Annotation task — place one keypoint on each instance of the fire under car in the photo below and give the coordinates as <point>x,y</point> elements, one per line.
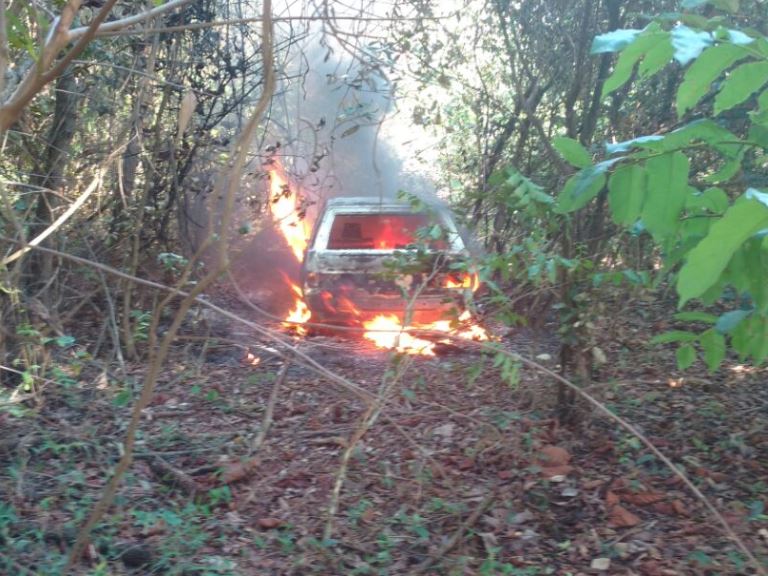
<point>368,257</point>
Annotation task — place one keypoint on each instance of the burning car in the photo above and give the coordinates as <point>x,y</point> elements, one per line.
<point>369,257</point>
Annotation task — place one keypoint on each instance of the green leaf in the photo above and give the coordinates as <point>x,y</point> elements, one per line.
<point>674,336</point>
<point>696,317</point>
<point>583,186</point>
<point>613,41</point>
<point>689,43</point>
<point>709,258</point>
<point>707,68</point>
<point>686,355</point>
<point>574,153</point>
<point>656,58</point>
<point>713,345</point>
<point>667,193</point>
<point>626,193</point>
<point>740,85</point>
<point>714,200</point>
<point>65,341</point>
<point>630,56</point>
<point>750,337</point>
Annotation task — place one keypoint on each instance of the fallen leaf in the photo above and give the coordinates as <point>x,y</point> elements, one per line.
<point>601,564</point>
<point>611,499</point>
<point>236,471</point>
<point>551,456</point>
<point>620,517</point>
<point>643,498</point>
<point>679,508</point>
<point>269,523</point>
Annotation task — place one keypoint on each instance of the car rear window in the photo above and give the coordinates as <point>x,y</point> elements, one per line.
<point>378,231</point>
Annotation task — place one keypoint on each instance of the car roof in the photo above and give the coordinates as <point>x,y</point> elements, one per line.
<point>372,204</point>
<point>365,201</point>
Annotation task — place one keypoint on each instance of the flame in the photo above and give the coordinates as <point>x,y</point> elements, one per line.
<point>284,206</point>
<point>471,281</point>
<point>300,313</point>
<point>386,331</point>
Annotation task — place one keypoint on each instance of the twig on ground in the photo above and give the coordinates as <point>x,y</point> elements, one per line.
<point>266,421</point>
<point>164,469</point>
<point>457,537</point>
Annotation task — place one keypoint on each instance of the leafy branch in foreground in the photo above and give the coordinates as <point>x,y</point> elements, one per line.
<point>689,187</point>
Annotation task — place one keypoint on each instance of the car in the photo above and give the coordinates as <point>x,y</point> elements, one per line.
<point>368,256</point>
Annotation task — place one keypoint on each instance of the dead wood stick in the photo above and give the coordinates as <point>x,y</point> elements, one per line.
<point>454,540</point>
<point>266,421</point>
<point>164,469</point>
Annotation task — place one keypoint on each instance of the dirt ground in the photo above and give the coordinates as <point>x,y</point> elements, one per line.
<point>462,472</point>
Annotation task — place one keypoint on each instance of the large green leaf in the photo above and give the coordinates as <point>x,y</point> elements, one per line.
<point>572,151</point>
<point>667,193</point>
<point>622,71</point>
<point>709,258</point>
<point>750,337</point>
<point>583,186</point>
<point>698,78</point>
<point>626,193</point>
<point>713,200</point>
<point>579,190</point>
<point>741,84</point>
<point>656,58</point>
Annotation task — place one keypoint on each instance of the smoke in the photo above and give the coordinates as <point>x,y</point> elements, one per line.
<point>326,132</point>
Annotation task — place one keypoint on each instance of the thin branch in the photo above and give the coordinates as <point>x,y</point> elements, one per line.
<point>41,74</point>
<point>64,217</point>
<point>454,540</point>
<point>116,25</point>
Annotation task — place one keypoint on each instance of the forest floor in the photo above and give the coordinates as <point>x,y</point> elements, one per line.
<point>462,473</point>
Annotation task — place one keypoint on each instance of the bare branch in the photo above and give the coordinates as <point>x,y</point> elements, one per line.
<point>116,25</point>
<point>66,215</point>
<point>40,75</point>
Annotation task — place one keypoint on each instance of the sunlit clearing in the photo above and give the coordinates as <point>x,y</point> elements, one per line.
<point>285,209</point>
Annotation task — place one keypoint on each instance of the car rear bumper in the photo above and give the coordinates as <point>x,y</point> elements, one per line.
<point>353,307</point>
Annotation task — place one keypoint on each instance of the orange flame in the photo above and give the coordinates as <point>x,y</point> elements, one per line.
<point>471,281</point>
<point>283,204</point>
<point>386,331</point>
<point>300,313</point>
